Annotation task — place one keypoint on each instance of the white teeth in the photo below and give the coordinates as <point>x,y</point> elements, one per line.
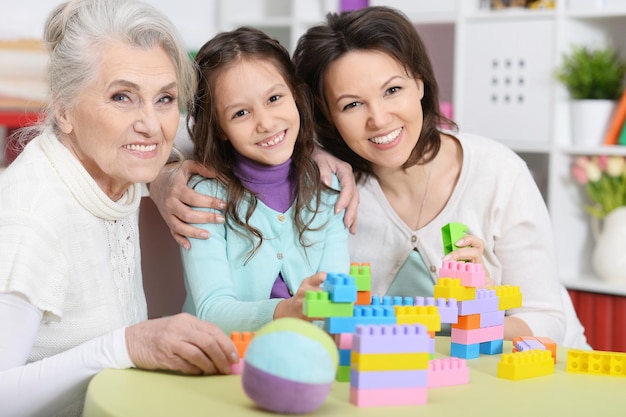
<point>389,137</point>
<point>141,148</point>
<point>274,140</point>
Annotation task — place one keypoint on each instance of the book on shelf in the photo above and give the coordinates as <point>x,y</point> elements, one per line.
<point>615,128</point>
<point>621,140</point>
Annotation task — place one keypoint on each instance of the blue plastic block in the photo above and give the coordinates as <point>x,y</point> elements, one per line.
<point>340,287</point>
<point>493,347</point>
<point>458,350</point>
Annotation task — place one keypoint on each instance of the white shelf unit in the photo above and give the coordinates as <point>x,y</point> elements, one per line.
<point>500,78</point>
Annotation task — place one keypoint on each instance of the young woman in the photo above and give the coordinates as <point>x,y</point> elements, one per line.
<point>377,108</point>
<point>251,123</point>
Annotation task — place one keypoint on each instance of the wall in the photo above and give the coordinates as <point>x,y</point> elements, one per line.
<point>196,19</point>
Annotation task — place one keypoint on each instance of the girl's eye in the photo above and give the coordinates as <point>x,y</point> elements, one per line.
<point>274,98</point>
<point>240,113</point>
<point>350,105</point>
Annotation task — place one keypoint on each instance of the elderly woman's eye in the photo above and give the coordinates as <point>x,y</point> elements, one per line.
<point>119,97</point>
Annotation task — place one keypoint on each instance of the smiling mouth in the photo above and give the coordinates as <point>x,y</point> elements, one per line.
<point>388,138</point>
<point>141,148</point>
<point>274,140</point>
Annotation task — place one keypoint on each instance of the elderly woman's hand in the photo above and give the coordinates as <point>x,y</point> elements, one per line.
<point>174,199</point>
<point>180,343</point>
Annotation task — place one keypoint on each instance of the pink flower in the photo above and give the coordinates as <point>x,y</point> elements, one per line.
<point>602,162</point>
<point>579,174</point>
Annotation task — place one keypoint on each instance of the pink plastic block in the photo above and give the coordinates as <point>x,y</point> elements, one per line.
<point>391,339</point>
<point>472,275</point>
<point>491,318</point>
<point>237,368</point>
<point>447,371</point>
<point>377,397</point>
<point>448,308</point>
<point>448,269</point>
<point>470,337</point>
<point>343,340</point>
<point>388,379</point>
<point>485,301</point>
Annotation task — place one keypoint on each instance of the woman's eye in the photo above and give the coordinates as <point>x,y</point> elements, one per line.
<point>167,99</point>
<point>350,105</point>
<point>120,97</point>
<point>392,90</point>
<point>274,98</point>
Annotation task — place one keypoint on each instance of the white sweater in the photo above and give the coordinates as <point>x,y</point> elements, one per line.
<point>74,255</point>
<point>497,198</point>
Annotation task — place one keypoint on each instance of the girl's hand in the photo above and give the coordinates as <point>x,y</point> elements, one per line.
<point>292,307</point>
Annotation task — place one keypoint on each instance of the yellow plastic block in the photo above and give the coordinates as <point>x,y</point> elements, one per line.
<point>389,361</point>
<point>509,296</point>
<point>596,362</point>
<point>425,315</point>
<point>451,288</point>
<point>526,364</point>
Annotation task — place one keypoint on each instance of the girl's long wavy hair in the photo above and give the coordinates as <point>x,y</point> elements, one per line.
<point>217,55</point>
<point>375,28</point>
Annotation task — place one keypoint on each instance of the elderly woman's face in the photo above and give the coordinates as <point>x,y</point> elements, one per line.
<point>123,125</point>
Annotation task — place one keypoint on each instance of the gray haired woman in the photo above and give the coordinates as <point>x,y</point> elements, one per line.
<point>71,295</point>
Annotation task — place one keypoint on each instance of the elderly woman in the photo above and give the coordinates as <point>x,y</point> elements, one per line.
<point>71,297</point>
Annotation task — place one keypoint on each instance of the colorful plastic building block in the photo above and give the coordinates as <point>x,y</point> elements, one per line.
<point>448,308</point>
<point>390,339</point>
<point>523,343</point>
<point>363,298</point>
<point>241,341</point>
<point>485,301</point>
<point>378,397</point>
<point>450,234</point>
<point>389,379</point>
<point>510,296</point>
<point>470,274</point>
<point>451,288</point>
<point>425,315</point>
<point>527,364</point>
<point>596,362</point>
<point>340,288</point>
<point>318,304</point>
<point>445,372</point>
<point>484,334</point>
<point>464,351</point>
<point>362,275</point>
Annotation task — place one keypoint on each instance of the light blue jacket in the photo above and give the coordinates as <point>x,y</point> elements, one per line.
<point>234,294</point>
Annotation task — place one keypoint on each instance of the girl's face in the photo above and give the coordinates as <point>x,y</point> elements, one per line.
<point>257,111</point>
<point>123,124</point>
<point>376,106</point>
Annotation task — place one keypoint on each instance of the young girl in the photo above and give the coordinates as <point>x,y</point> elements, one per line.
<point>251,121</point>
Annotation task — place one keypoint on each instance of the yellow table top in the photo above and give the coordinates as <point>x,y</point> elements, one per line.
<point>136,393</point>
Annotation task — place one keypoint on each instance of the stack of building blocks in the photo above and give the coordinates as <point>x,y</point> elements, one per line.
<point>389,365</point>
<point>523,343</point>
<point>241,341</point>
<point>480,325</point>
<point>526,364</point>
<point>596,362</point>
<point>362,275</point>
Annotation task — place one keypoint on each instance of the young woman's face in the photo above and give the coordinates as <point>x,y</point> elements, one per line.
<point>257,111</point>
<point>123,124</point>
<point>376,106</point>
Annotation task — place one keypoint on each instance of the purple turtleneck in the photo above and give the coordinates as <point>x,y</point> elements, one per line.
<point>275,188</point>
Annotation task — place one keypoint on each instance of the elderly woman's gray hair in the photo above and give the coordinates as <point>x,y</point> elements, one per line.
<point>76,30</point>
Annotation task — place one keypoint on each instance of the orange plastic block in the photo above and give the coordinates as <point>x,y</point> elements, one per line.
<point>526,364</point>
<point>426,315</point>
<point>596,362</point>
<point>452,288</point>
<point>241,341</point>
<point>467,322</point>
<point>509,296</point>
<point>362,274</point>
<point>363,298</point>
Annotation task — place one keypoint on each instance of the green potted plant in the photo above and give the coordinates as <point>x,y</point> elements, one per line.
<point>594,79</point>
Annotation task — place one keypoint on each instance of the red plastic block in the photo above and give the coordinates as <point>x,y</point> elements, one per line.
<point>447,371</point>
<point>377,397</point>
